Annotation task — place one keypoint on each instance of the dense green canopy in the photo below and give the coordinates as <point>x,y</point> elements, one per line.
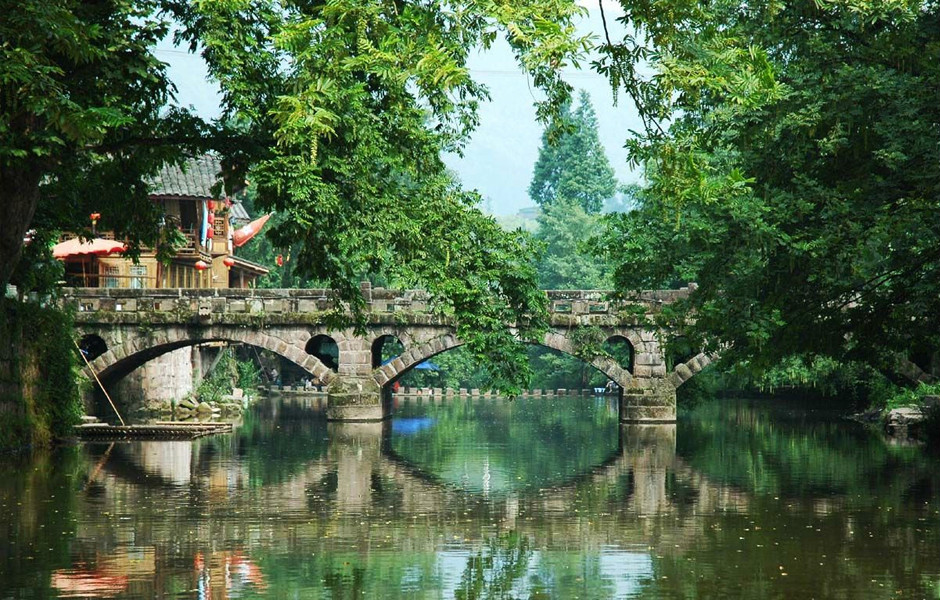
<point>792,161</point>
<point>572,165</point>
<point>790,151</point>
<point>338,112</point>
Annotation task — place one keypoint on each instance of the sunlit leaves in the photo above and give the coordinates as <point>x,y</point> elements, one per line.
<point>360,98</point>
<point>783,183</point>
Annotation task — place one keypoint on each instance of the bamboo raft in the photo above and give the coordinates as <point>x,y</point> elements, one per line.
<point>161,430</point>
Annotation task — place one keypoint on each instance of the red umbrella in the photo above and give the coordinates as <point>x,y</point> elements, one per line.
<point>76,247</point>
<point>241,236</point>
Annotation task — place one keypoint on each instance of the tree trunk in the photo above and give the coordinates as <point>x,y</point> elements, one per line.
<point>19,195</point>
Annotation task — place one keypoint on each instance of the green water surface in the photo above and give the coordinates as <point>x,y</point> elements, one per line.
<point>487,498</point>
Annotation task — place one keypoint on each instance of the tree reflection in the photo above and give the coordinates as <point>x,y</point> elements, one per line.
<point>494,572</point>
<point>721,505</point>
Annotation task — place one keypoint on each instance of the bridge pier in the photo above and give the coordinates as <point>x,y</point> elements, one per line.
<point>650,451</point>
<point>655,403</point>
<point>355,398</point>
<point>356,449</point>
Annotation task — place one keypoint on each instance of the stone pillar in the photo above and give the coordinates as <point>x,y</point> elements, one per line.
<point>654,401</point>
<point>154,386</point>
<point>353,395</point>
<point>357,450</point>
<point>354,398</point>
<point>196,369</point>
<point>649,451</point>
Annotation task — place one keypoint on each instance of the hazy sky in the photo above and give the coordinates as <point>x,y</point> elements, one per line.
<point>499,159</point>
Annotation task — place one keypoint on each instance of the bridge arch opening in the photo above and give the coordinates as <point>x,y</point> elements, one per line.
<point>621,350</point>
<point>679,349</point>
<point>325,349</point>
<point>385,348</point>
<point>166,380</point>
<point>92,346</point>
<point>555,368</point>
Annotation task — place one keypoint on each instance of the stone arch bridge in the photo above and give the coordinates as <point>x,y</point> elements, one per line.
<point>122,329</point>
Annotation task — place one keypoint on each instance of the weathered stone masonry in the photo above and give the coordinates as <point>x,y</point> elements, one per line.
<point>137,325</point>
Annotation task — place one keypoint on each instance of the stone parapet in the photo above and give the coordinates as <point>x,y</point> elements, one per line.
<point>392,304</point>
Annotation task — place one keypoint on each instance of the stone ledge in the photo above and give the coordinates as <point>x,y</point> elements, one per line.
<point>355,413</point>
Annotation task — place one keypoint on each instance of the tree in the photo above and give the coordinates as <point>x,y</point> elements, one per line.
<point>339,111</point>
<point>566,264</point>
<point>796,180</point>
<point>81,107</point>
<point>361,98</point>
<point>573,166</point>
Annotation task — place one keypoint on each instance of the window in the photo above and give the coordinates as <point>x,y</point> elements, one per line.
<point>111,275</point>
<point>138,276</point>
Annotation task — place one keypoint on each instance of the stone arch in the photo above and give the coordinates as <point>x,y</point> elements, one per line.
<point>605,364</point>
<point>411,357</point>
<point>321,347</point>
<point>553,339</point>
<point>684,371</point>
<point>378,344</point>
<point>617,338</point>
<point>139,349</point>
<point>408,337</point>
<point>92,346</point>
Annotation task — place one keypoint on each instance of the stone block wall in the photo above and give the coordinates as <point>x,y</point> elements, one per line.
<point>39,399</point>
<point>157,384</point>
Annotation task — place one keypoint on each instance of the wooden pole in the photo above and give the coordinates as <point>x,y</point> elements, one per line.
<point>95,375</point>
<point>99,466</point>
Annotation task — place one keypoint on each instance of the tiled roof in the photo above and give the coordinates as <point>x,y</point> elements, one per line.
<point>250,265</point>
<point>239,212</point>
<point>195,179</point>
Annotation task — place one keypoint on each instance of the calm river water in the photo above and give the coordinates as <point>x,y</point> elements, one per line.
<point>529,499</point>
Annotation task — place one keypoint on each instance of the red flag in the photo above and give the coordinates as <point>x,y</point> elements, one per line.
<point>241,237</point>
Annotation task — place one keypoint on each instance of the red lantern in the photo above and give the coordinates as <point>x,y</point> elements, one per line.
<point>279,260</point>
<point>228,261</point>
<point>211,206</point>
<point>200,265</point>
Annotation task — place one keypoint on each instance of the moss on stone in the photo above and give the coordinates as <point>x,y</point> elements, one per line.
<point>41,394</point>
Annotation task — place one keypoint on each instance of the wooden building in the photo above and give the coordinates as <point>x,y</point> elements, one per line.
<point>207,221</point>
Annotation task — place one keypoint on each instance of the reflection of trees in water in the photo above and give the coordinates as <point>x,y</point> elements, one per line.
<point>493,571</point>
<point>527,443</point>
<point>771,448</point>
<point>39,507</point>
<point>352,520</point>
<point>825,507</point>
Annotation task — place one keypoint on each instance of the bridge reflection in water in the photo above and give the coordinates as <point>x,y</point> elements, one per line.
<point>480,499</point>
<point>346,492</point>
<point>359,458</point>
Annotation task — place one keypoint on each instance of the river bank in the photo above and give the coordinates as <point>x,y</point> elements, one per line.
<point>40,399</point>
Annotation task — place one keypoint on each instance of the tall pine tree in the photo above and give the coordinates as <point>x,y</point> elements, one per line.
<point>574,167</point>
